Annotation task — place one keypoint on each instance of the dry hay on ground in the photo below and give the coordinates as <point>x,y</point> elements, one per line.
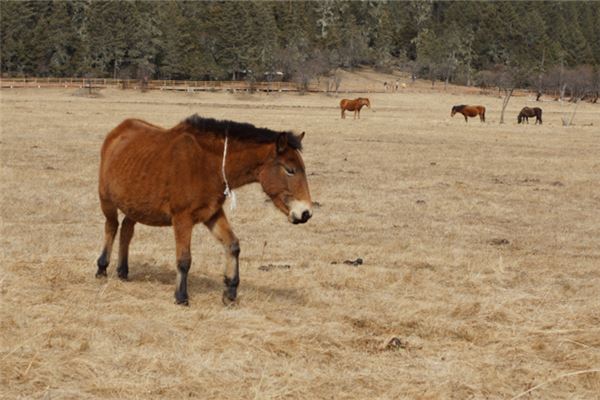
<point>479,243</point>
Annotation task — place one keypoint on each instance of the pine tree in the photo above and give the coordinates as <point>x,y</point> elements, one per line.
<point>16,33</point>
<point>144,39</point>
<point>107,31</point>
<point>575,44</point>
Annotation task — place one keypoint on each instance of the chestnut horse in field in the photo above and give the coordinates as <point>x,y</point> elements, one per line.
<point>527,113</point>
<point>469,111</point>
<point>179,177</point>
<point>354,105</point>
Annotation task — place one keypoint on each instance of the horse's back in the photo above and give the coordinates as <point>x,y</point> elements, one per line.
<point>134,170</point>
<point>131,130</point>
<point>472,111</point>
<point>345,103</point>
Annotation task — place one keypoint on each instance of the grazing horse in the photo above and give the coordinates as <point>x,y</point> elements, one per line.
<point>354,105</point>
<point>527,113</point>
<point>180,177</point>
<point>469,111</point>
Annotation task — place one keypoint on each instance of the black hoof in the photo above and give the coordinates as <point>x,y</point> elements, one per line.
<point>182,302</point>
<point>228,300</point>
<point>101,273</point>
<point>122,275</point>
<point>181,299</point>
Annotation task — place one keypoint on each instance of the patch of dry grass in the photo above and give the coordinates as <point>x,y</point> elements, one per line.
<point>479,241</point>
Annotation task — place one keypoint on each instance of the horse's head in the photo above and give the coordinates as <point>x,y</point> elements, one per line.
<point>283,178</point>
<point>364,101</point>
<point>453,111</point>
<point>519,118</point>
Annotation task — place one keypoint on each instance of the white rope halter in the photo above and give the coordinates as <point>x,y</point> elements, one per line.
<point>228,192</point>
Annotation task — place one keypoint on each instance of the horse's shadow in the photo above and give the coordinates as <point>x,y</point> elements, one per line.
<point>200,283</point>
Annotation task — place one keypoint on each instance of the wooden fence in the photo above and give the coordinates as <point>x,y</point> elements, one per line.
<point>189,86</point>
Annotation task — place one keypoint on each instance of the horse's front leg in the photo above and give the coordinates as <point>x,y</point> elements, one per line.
<point>220,228</point>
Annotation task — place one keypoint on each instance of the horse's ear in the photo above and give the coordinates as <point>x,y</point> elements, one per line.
<point>282,142</point>
<point>301,136</point>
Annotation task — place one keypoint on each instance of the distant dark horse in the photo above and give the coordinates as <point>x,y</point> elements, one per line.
<point>469,111</point>
<point>527,113</point>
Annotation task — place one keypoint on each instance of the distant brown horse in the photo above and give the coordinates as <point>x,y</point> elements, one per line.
<point>527,113</point>
<point>354,105</point>
<point>178,177</point>
<point>469,111</point>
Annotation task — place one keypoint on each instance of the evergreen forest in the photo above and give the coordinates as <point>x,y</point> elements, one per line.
<point>460,42</point>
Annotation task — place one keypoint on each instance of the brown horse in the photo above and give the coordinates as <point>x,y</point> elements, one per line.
<point>469,111</point>
<point>354,105</point>
<point>527,113</point>
<point>178,177</point>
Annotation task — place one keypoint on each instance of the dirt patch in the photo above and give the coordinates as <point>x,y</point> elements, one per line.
<point>272,267</point>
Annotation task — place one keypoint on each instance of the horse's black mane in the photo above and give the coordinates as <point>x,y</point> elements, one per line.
<point>459,107</point>
<point>241,131</point>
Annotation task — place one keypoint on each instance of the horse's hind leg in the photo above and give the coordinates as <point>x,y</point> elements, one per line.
<point>343,115</point>
<point>110,230</point>
<point>125,236</point>
<point>219,227</point>
<point>183,225</point>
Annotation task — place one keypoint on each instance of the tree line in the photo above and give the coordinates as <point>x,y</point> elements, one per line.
<point>540,43</point>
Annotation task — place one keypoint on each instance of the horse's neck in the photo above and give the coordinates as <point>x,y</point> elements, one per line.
<point>244,161</point>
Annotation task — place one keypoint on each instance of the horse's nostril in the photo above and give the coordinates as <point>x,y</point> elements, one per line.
<point>305,216</point>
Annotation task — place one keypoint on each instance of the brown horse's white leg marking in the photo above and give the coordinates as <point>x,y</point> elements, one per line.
<point>127,227</point>
<point>110,231</point>
<point>220,228</point>
<point>182,225</point>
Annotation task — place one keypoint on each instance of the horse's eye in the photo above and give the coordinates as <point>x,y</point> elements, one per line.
<point>289,171</point>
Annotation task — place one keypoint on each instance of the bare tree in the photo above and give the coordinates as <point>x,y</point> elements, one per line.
<point>334,79</point>
<point>504,78</point>
<point>580,82</point>
<point>507,78</point>
<point>540,77</point>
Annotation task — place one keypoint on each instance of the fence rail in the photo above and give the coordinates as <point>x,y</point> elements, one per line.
<point>190,86</point>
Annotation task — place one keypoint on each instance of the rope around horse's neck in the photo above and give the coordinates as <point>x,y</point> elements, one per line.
<point>228,192</point>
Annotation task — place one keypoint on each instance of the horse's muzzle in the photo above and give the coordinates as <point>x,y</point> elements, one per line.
<point>305,217</point>
<point>300,212</point>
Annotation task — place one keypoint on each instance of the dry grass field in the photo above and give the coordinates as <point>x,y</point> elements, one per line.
<point>481,249</point>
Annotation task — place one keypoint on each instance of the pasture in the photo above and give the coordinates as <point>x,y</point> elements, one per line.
<point>480,248</point>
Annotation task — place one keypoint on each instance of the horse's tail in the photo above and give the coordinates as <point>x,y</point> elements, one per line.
<point>483,113</point>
